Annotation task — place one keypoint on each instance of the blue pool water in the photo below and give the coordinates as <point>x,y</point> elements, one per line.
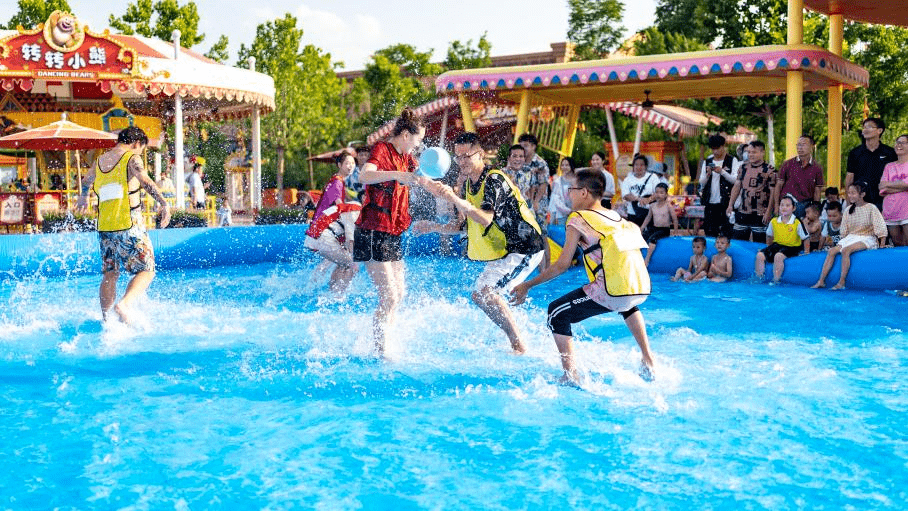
<point>239,389</point>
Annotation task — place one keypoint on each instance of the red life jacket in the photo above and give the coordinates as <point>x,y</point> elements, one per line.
<point>386,205</point>
<point>330,216</point>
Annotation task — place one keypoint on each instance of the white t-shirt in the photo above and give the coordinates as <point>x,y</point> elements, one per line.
<point>729,175</point>
<point>196,188</point>
<point>639,186</point>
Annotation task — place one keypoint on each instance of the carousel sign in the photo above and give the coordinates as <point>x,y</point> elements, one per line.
<point>63,49</point>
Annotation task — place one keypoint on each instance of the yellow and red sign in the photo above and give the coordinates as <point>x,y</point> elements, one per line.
<point>64,50</point>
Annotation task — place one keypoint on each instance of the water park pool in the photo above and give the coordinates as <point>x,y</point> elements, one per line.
<point>239,388</point>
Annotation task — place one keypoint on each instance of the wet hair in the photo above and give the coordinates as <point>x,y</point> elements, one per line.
<point>834,206</point>
<point>663,186</point>
<point>131,135</point>
<point>528,137</point>
<point>699,239</point>
<point>861,187</point>
<point>516,147</point>
<point>715,141</point>
<point>808,137</point>
<point>591,180</point>
<point>639,157</point>
<point>877,121</point>
<point>758,143</point>
<point>600,154</point>
<point>814,206</point>
<point>467,137</point>
<point>408,121</point>
<point>831,191</point>
<point>343,156</point>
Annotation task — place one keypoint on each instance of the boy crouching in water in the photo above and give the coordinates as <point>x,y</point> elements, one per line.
<point>618,277</point>
<point>662,215</point>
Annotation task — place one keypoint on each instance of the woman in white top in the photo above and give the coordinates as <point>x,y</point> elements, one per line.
<point>597,162</point>
<point>560,201</point>
<point>638,188</point>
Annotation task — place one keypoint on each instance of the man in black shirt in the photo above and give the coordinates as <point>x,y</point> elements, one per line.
<point>867,161</point>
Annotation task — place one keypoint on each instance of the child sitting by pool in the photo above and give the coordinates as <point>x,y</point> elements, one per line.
<point>698,266</point>
<point>720,267</point>
<point>785,236</point>
<point>832,195</point>
<point>832,226</point>
<point>662,215</point>
<point>813,225</point>
<point>618,278</point>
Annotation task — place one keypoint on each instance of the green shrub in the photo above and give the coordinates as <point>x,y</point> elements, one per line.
<point>271,216</point>
<point>180,219</point>
<point>64,221</point>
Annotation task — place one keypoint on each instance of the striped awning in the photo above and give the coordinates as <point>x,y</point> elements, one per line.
<point>423,110</point>
<point>673,119</point>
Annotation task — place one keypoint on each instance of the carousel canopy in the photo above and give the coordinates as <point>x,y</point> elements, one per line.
<point>733,72</point>
<point>883,12</point>
<point>61,65</point>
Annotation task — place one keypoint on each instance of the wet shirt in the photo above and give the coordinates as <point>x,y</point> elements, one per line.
<point>499,198</point>
<point>867,166</point>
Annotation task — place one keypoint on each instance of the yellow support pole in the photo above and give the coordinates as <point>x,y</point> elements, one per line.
<point>567,146</point>
<point>466,113</point>
<point>795,81</point>
<point>523,115</point>
<point>834,122</point>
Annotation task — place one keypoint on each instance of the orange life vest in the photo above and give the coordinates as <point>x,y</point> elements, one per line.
<point>328,217</point>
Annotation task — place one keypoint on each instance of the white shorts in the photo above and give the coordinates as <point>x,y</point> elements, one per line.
<point>896,223</point>
<point>328,247</point>
<point>507,272</point>
<point>869,241</point>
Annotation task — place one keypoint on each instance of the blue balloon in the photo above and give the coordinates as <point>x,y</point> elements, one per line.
<point>434,162</point>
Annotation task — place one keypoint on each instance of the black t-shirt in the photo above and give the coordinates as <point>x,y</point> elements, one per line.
<point>867,166</point>
<point>499,198</point>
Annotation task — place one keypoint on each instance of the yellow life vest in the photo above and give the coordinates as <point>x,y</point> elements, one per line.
<point>786,234</point>
<point>489,243</point>
<point>623,267</point>
<point>112,188</point>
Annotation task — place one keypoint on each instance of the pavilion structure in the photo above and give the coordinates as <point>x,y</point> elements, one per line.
<point>791,69</point>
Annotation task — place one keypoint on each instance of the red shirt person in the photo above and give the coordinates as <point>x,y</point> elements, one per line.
<point>801,177</point>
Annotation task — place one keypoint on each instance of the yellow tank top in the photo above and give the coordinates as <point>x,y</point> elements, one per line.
<point>786,234</point>
<point>489,243</point>
<point>112,188</point>
<point>624,270</point>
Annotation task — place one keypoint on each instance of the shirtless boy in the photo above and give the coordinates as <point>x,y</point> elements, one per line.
<point>698,265</point>
<point>720,267</point>
<point>662,215</point>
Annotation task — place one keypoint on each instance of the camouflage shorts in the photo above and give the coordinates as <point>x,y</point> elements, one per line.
<point>128,250</point>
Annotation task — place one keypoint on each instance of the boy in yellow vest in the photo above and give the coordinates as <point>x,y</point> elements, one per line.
<point>116,179</point>
<point>618,277</point>
<point>501,229</point>
<point>785,237</point>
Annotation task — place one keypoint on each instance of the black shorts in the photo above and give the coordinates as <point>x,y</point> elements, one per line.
<point>575,307</point>
<point>379,246</point>
<point>654,234</point>
<point>771,251</point>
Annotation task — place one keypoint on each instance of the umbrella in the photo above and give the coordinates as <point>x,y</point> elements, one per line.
<point>62,135</point>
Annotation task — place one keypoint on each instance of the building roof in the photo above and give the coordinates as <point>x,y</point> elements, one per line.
<point>883,12</point>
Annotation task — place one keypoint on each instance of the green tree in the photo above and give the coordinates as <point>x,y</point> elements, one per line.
<point>655,42</point>
<point>466,56</point>
<point>411,61</point>
<point>309,111</point>
<point>159,20</point>
<point>32,12</point>
<point>398,76</point>
<point>219,51</point>
<point>593,26</point>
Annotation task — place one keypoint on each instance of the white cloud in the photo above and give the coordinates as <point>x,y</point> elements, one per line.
<point>349,40</point>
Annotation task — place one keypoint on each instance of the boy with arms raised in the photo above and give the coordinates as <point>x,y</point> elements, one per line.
<point>619,280</point>
<point>501,229</point>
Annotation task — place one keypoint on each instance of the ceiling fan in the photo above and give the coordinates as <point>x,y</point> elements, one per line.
<point>647,104</point>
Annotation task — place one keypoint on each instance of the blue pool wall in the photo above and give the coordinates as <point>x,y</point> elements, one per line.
<point>77,254</point>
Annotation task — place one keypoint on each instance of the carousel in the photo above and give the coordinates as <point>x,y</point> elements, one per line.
<point>106,82</point>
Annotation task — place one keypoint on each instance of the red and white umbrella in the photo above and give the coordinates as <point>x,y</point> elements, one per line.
<point>62,135</point>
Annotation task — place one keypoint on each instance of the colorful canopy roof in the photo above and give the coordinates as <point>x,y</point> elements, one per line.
<point>67,61</point>
<point>734,72</point>
<point>883,12</point>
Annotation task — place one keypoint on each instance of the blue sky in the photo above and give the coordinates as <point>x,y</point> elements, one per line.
<point>351,30</point>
